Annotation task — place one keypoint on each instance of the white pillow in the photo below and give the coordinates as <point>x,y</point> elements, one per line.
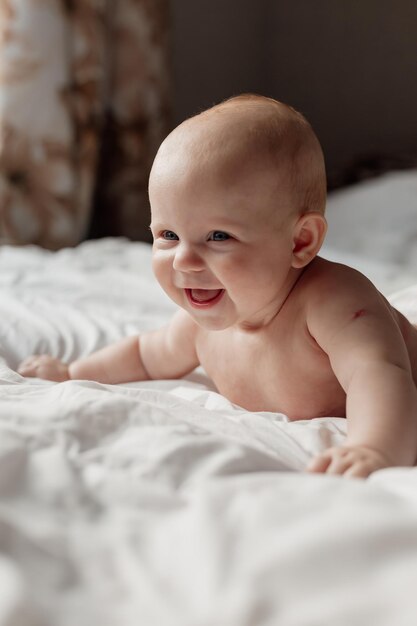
<point>376,219</point>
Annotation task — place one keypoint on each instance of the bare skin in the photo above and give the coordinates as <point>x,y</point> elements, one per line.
<point>276,327</point>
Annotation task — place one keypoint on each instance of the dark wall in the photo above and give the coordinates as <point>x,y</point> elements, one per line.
<point>349,65</point>
<point>219,49</point>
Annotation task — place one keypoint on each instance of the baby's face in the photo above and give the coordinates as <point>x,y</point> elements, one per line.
<point>222,238</point>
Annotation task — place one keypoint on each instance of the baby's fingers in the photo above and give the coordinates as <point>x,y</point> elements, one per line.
<point>359,470</point>
<point>349,461</point>
<point>44,366</point>
<point>29,365</point>
<point>319,464</point>
<point>336,461</point>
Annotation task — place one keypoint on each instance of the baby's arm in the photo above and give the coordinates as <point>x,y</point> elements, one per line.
<point>357,330</point>
<point>165,353</point>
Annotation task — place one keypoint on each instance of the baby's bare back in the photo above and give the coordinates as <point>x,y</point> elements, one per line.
<point>409,333</point>
<point>281,368</point>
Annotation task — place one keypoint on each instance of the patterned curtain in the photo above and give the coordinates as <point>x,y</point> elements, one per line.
<point>84,103</point>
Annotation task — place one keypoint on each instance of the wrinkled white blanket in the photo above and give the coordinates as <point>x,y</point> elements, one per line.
<point>161,503</point>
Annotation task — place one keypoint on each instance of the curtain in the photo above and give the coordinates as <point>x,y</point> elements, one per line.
<point>84,104</point>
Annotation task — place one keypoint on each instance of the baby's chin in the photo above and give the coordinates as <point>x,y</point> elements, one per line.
<point>209,322</point>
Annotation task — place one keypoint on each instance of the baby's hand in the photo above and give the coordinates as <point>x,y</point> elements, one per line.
<point>44,366</point>
<point>350,461</point>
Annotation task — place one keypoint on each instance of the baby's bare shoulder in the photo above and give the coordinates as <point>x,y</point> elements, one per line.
<point>338,297</point>
<point>170,351</point>
<point>330,281</point>
<point>335,294</point>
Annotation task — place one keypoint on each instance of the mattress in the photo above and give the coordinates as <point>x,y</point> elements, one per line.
<point>163,504</point>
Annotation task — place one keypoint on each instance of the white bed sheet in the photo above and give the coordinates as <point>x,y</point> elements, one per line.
<point>161,503</point>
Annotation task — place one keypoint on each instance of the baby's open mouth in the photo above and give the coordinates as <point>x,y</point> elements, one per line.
<point>204,297</point>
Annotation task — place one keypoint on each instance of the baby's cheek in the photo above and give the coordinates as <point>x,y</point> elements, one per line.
<point>236,268</point>
<point>164,274</point>
<point>159,268</point>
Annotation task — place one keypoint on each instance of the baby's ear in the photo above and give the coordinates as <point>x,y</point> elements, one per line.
<point>309,232</point>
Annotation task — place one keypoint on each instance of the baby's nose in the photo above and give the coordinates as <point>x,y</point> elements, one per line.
<point>187,259</point>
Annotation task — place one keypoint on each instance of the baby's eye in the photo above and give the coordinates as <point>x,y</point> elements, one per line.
<point>169,235</point>
<point>218,235</point>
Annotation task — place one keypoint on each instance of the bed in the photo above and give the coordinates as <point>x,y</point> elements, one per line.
<point>162,504</point>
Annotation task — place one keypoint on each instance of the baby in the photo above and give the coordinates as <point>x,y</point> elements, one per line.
<point>237,199</point>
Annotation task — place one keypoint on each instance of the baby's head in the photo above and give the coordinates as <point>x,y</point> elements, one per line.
<point>253,136</point>
<point>237,197</point>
